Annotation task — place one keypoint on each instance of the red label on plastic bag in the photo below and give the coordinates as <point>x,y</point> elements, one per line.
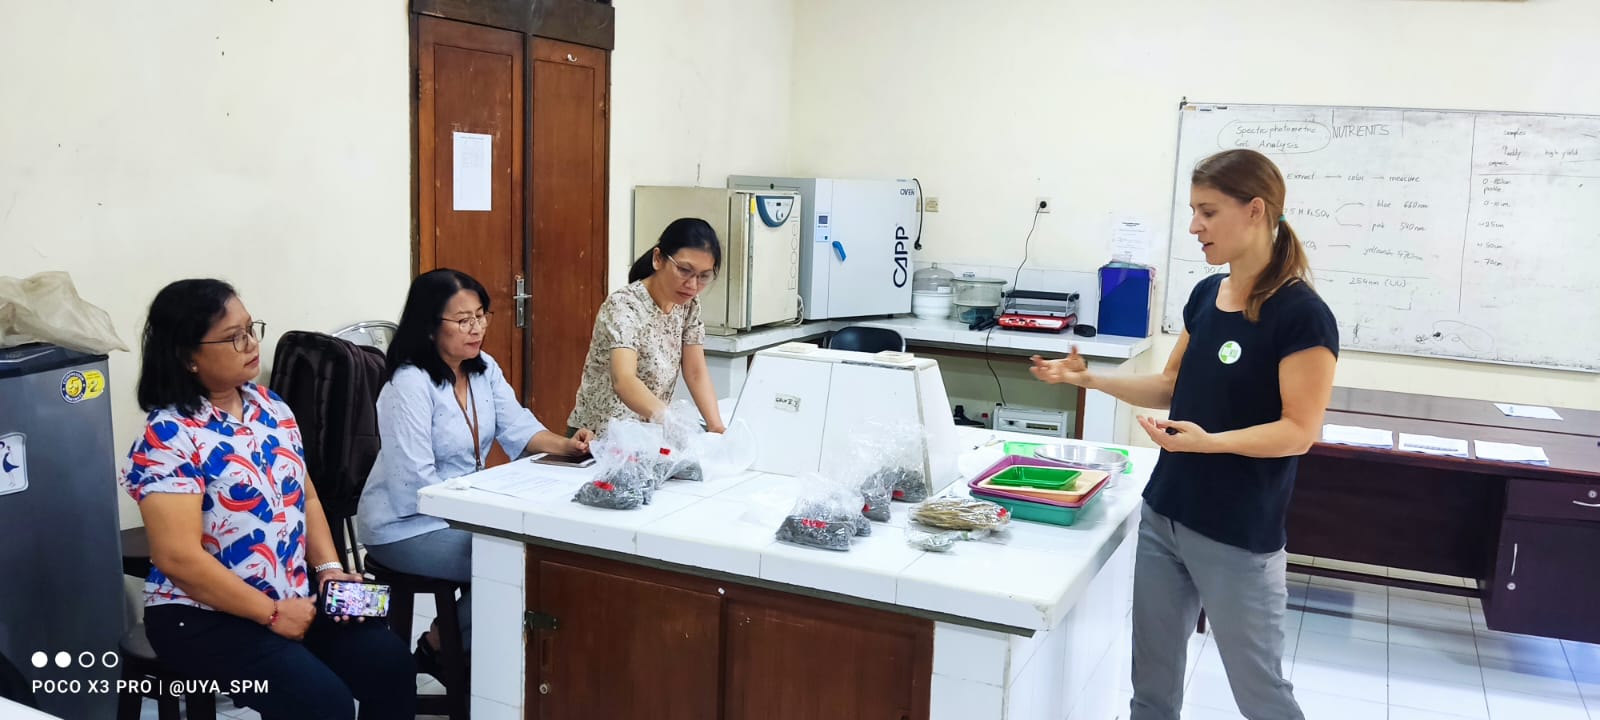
<point>603,485</point>
<point>1004,513</point>
<point>666,451</point>
<point>814,524</point>
<point>899,494</point>
<point>866,508</point>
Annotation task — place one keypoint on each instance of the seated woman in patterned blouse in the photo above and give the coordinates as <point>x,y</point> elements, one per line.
<point>236,530</point>
<point>649,330</point>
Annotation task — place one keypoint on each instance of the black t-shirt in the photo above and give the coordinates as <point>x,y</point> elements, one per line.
<point>1228,380</point>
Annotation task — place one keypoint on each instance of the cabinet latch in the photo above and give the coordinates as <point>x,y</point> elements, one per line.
<point>540,621</point>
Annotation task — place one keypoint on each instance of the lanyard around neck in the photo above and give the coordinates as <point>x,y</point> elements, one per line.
<point>472,424</point>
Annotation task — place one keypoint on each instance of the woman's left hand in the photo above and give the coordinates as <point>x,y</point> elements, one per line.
<point>324,577</point>
<point>715,426</point>
<point>1177,435</point>
<point>578,444</point>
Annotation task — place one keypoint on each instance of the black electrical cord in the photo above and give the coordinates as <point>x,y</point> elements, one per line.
<point>920,203</point>
<point>987,360</point>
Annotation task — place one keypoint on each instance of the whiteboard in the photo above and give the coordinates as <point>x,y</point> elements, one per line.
<point>1468,235</point>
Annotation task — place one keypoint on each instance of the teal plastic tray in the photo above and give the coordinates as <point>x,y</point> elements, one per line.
<point>1050,514</point>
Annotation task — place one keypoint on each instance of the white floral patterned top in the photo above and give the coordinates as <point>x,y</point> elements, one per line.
<point>630,318</point>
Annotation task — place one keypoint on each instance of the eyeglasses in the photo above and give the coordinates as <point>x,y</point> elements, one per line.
<point>471,321</point>
<point>686,273</point>
<point>242,339</point>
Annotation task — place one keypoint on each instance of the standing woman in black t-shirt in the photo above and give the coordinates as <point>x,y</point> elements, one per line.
<point>1247,385</point>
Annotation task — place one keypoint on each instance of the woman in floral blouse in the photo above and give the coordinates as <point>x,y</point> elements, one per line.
<point>236,530</point>
<point>649,331</point>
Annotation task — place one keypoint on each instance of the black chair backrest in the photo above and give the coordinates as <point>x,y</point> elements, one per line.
<point>867,339</point>
<point>332,386</point>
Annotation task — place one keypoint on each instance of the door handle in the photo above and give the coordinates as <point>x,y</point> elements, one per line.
<point>1514,548</point>
<point>838,247</point>
<point>521,299</point>
<point>1584,504</point>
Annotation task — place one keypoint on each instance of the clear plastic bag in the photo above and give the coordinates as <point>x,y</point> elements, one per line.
<point>826,515</point>
<point>728,454</point>
<point>681,430</point>
<point>895,455</point>
<point>629,466</point>
<point>859,467</point>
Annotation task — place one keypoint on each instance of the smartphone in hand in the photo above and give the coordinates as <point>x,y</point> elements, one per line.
<point>353,599</point>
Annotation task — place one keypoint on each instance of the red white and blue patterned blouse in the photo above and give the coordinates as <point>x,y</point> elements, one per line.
<point>252,472</point>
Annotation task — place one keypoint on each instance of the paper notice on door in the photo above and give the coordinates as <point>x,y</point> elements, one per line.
<point>1130,240</point>
<point>471,181</point>
<point>1511,452</point>
<point>1528,411</point>
<point>1433,445</point>
<point>1360,436</point>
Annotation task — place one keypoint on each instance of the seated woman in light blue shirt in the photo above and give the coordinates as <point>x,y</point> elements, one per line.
<point>444,402</point>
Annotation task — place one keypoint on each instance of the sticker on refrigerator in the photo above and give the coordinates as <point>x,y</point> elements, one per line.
<point>94,384</point>
<point>74,387</point>
<point>13,463</point>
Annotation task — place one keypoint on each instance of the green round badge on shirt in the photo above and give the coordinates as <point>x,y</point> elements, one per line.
<point>1229,353</point>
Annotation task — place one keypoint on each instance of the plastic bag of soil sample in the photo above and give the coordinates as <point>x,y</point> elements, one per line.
<point>628,466</point>
<point>680,428</point>
<point>895,459</point>
<point>858,467</point>
<point>826,515</point>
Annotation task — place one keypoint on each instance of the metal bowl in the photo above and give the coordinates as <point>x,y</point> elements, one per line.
<point>1087,457</point>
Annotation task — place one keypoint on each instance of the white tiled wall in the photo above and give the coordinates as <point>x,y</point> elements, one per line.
<point>498,600</point>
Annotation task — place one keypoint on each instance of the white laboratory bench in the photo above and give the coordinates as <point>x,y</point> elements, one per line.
<point>728,356</point>
<point>1027,625</point>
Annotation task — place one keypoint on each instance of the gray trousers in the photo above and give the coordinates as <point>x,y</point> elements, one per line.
<point>1176,572</point>
<point>445,554</point>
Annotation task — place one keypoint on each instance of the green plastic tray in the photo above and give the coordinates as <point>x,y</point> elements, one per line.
<point>1038,478</point>
<point>1037,512</point>
<point>1025,449</point>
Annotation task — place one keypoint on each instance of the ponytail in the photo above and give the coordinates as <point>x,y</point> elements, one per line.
<point>1245,176</point>
<point>1289,263</point>
<point>644,267</point>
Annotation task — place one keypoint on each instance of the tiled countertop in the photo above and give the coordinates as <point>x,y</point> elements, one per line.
<point>1026,581</point>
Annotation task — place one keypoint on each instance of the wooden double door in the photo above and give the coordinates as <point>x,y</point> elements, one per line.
<point>511,145</point>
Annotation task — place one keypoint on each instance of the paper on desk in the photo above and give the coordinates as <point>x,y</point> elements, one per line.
<point>523,479</point>
<point>1536,412</point>
<point>1511,452</point>
<point>1433,445</point>
<point>1352,435</point>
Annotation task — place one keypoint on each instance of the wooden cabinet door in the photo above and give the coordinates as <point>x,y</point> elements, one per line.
<point>623,647</point>
<point>1546,580</point>
<point>568,201</point>
<point>470,80</point>
<point>794,658</point>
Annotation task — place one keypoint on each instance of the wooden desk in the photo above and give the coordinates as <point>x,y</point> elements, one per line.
<point>1528,534</point>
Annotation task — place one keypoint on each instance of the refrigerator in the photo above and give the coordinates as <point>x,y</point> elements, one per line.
<point>760,234</point>
<point>61,588</point>
<point>856,242</point>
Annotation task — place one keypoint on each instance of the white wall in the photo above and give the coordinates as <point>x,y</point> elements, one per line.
<point>993,104</point>
<point>263,143</point>
<point>700,91</point>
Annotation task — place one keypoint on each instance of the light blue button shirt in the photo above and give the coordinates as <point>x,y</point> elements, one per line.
<point>426,441</point>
